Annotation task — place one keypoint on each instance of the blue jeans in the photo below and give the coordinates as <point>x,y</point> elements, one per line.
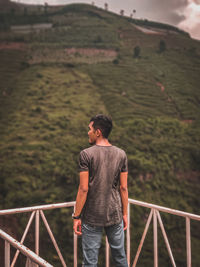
<point>91,242</point>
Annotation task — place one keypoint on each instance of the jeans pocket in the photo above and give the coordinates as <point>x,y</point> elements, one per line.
<point>91,228</point>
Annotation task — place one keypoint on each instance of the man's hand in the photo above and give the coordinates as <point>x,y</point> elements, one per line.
<point>77,226</point>
<point>125,220</point>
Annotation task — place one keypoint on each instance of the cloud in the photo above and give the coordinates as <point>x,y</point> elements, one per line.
<point>160,10</point>
<point>191,23</point>
<point>184,14</point>
<point>197,2</point>
<point>167,11</point>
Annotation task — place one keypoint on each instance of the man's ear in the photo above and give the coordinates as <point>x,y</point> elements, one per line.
<point>98,132</point>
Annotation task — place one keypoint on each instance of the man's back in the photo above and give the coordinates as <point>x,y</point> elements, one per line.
<point>102,197</point>
<point>105,163</point>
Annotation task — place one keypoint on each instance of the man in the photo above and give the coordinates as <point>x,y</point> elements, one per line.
<point>102,197</point>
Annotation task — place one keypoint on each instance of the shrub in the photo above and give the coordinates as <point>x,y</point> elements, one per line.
<point>39,75</point>
<point>69,65</point>
<point>115,61</point>
<point>192,51</point>
<point>24,65</point>
<point>98,39</point>
<point>136,52</point>
<point>162,46</point>
<point>38,110</point>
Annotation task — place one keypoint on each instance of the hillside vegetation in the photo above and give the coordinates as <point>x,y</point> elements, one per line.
<point>61,65</point>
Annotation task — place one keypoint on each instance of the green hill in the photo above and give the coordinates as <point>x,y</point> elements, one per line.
<point>61,65</point>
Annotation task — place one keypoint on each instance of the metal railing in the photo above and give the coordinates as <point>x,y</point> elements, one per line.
<point>37,212</point>
<point>155,214</point>
<point>31,256</point>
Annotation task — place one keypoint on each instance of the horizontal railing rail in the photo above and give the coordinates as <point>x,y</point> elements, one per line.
<point>164,209</point>
<point>40,207</point>
<point>37,212</point>
<point>72,204</point>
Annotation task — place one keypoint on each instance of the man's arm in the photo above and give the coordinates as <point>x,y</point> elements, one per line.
<point>124,196</point>
<point>80,200</point>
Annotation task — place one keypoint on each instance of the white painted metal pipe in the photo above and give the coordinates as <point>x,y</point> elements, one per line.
<point>167,210</point>
<point>107,253</point>
<point>7,254</point>
<point>128,239</point>
<point>166,239</point>
<point>37,232</point>
<point>188,216</point>
<point>142,239</point>
<point>35,208</point>
<point>72,203</point>
<point>75,247</point>
<point>23,237</point>
<point>24,250</point>
<point>155,238</point>
<point>188,243</point>
<point>53,239</point>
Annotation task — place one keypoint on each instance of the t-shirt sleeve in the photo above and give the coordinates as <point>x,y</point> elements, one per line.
<point>83,161</point>
<point>125,164</point>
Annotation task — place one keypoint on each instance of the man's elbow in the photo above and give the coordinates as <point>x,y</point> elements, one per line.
<point>83,190</point>
<point>123,188</point>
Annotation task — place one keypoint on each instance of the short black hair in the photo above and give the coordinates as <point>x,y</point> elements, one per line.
<point>103,123</point>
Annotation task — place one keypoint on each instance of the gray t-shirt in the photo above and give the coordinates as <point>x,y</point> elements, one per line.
<point>103,206</point>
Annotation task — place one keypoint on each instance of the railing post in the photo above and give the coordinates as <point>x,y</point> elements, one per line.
<point>37,224</point>
<point>155,238</point>
<point>7,254</point>
<point>75,247</point>
<point>188,242</point>
<point>128,237</point>
<point>37,221</point>
<point>107,253</point>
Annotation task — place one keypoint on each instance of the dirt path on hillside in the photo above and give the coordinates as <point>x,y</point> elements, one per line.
<point>154,31</point>
<point>150,31</point>
<point>169,99</point>
<point>161,86</point>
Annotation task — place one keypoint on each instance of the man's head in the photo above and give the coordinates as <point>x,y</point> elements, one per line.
<point>100,126</point>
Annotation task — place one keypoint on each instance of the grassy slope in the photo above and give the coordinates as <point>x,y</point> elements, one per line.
<point>45,112</point>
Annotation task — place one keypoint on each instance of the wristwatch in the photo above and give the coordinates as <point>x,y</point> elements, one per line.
<point>76,217</point>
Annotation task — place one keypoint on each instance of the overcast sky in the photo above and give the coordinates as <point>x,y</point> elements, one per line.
<point>184,14</point>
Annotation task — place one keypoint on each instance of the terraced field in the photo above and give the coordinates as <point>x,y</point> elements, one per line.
<point>54,80</point>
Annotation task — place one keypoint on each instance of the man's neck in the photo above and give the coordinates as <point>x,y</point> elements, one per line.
<point>102,142</point>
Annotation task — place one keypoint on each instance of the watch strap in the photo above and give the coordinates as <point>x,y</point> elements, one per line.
<point>76,217</point>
